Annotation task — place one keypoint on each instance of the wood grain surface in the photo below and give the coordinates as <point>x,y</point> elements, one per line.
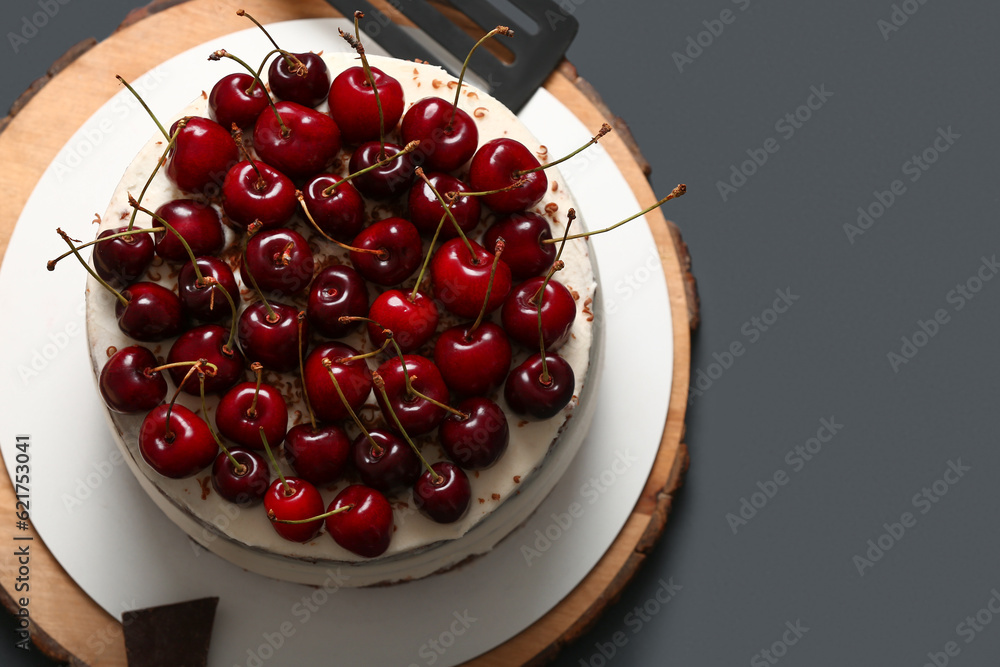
<point>67,624</point>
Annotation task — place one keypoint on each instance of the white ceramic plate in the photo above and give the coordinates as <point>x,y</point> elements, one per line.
<point>116,544</point>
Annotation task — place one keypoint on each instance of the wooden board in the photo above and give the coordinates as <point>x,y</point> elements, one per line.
<point>69,626</point>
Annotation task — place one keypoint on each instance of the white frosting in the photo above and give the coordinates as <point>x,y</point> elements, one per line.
<point>507,493</point>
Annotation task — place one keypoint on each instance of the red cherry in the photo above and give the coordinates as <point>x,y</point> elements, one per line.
<point>390,466</point>
<point>400,251</point>
<point>366,528</point>
<point>473,364</point>
<point>496,165</point>
<point>204,302</point>
<point>523,234</point>
<point>353,377</point>
<point>128,383</point>
<point>309,90</point>
<point>425,210</point>
<point>245,487</point>
<point>183,450</point>
<point>444,146</point>
<point>445,495</point>
<point>301,502</point>
<point>460,280</point>
<point>280,260</point>
<point>153,312</point>
<point>527,395</point>
<point>341,214</point>
<point>229,102</point>
<point>480,440</point>
<point>383,182</point>
<point>318,455</point>
<point>203,153</point>
<point>520,313</point>
<point>198,223</point>
<point>411,322</point>
<point>274,344</point>
<point>312,143</point>
<point>352,104</point>
<point>239,417</point>
<point>122,260</point>
<point>206,342</point>
<point>417,415</point>
<point>248,196</point>
<point>338,291</point>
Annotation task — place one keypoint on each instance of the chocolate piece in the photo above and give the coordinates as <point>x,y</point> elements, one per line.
<point>173,635</point>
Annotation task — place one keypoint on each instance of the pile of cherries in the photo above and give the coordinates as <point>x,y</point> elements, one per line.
<point>283,176</point>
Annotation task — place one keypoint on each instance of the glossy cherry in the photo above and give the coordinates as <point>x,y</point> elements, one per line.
<point>476,363</point>
<point>246,485</point>
<point>280,260</point>
<point>309,90</point>
<point>417,415</point>
<point>201,301</point>
<point>352,104</point>
<point>128,383</point>
<point>524,253</point>
<point>460,280</point>
<point>123,260</point>
<point>476,442</point>
<point>275,343</point>
<point>243,410</point>
<point>206,342</point>
<point>294,499</point>
<point>340,214</point>
<point>425,210</point>
<point>496,165</point>
<point>203,153</point>
<point>317,455</point>
<point>263,194</point>
<point>312,142</point>
<point>353,377</point>
<point>444,495</point>
<point>179,449</point>
<point>198,223</point>
<point>389,180</point>
<point>399,247</point>
<point>389,466</point>
<point>230,103</point>
<point>366,528</point>
<point>528,395</point>
<point>445,144</point>
<point>153,312</point>
<point>412,323</point>
<point>519,313</point>
<point>337,291</point>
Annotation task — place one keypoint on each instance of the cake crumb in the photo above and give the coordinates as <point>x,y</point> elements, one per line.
<point>517,479</point>
<point>205,483</point>
<point>586,309</point>
<point>555,186</point>
<point>496,496</point>
<point>522,423</point>
<point>124,215</point>
<point>437,83</point>
<point>97,219</point>
<point>542,152</point>
<point>576,295</point>
<point>480,112</point>
<point>551,209</point>
<point>204,95</point>
<point>111,350</point>
<point>482,500</point>
<point>476,473</point>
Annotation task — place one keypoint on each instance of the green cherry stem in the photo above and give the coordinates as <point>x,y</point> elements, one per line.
<point>410,389</point>
<point>355,42</point>
<point>255,227</point>
<point>128,233</point>
<point>605,128</point>
<point>72,248</point>
<point>381,253</point>
<point>258,370</point>
<point>274,462</point>
<point>294,64</point>
<point>159,163</point>
<point>328,365</point>
<point>274,519</point>
<point>380,385</point>
<point>222,53</point>
<point>427,259</point>
<point>677,192</point>
<point>497,251</point>
<point>166,135</point>
<point>238,468</point>
<point>499,30</point>
<point>408,148</point>
<point>544,378</point>
<point>196,367</point>
<point>302,370</point>
<point>447,209</point>
<point>523,180</point>
<point>194,262</point>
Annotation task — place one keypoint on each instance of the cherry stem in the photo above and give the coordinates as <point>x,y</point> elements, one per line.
<point>380,385</point>
<point>427,259</point>
<point>144,105</point>
<point>237,135</point>
<point>211,282</point>
<point>570,217</point>
<point>127,234</point>
<point>260,70</point>
<point>605,128</point>
<point>195,368</point>
<point>72,248</point>
<point>381,253</point>
<point>410,390</point>
<point>302,370</point>
<point>258,370</point>
<point>274,518</point>
<point>222,53</point>
<point>294,64</point>
<point>274,462</point>
<point>497,251</point>
<point>355,42</point>
<point>447,210</point>
<point>238,468</point>
<point>544,378</point>
<point>328,365</point>
<point>677,192</point>
<point>366,355</point>
<point>159,163</point>
<point>194,260</point>
<point>520,182</point>
<point>408,148</point>
<point>255,227</point>
<point>201,363</point>
<point>499,30</point>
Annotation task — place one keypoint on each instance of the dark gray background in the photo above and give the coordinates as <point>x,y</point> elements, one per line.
<point>826,357</point>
